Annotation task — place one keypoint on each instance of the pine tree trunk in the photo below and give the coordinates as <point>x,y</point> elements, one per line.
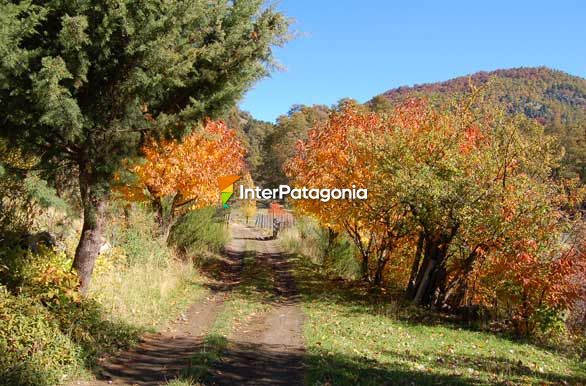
<point>94,201</point>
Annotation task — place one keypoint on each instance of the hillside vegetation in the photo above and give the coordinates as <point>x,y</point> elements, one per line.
<point>554,98</point>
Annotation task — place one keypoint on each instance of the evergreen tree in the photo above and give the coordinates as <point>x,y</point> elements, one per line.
<point>84,82</point>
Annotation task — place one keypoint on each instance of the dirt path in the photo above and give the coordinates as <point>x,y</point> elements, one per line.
<point>270,349</point>
<point>267,351</point>
<point>160,357</point>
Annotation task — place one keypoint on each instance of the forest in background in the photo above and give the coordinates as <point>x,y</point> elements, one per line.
<point>555,99</point>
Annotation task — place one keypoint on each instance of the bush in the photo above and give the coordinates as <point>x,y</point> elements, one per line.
<point>47,331</point>
<point>43,276</point>
<point>333,252</point>
<point>33,350</point>
<point>86,324</point>
<point>549,323</point>
<point>198,231</point>
<point>132,228</point>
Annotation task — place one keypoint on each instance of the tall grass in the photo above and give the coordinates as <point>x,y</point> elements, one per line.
<point>334,256</point>
<point>147,295</point>
<point>199,231</point>
<point>140,280</point>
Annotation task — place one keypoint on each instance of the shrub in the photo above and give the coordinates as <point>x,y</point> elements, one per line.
<point>132,228</point>
<point>86,324</point>
<point>47,331</point>
<point>44,276</point>
<point>549,323</point>
<point>199,230</point>
<point>33,351</point>
<point>333,252</point>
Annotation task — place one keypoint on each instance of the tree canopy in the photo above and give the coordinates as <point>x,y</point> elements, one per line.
<point>85,82</point>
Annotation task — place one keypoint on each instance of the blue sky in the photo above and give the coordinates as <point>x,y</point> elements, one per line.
<point>359,49</point>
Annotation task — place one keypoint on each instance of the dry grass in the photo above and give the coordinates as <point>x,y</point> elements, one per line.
<point>148,294</point>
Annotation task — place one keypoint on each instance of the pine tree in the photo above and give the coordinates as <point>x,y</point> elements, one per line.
<point>85,82</point>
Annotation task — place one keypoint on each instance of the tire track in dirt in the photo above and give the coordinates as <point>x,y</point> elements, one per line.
<point>269,351</point>
<point>162,356</point>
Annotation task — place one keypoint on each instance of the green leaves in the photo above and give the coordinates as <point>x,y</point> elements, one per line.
<point>71,70</point>
<point>59,109</point>
<point>73,32</point>
<point>45,196</point>
<point>17,23</point>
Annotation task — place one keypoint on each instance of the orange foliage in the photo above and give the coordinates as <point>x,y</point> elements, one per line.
<point>188,170</point>
<point>474,179</point>
<point>337,155</point>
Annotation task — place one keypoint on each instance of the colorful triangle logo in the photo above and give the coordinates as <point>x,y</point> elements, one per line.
<point>226,184</point>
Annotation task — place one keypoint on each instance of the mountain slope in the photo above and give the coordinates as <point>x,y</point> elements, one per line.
<point>554,98</point>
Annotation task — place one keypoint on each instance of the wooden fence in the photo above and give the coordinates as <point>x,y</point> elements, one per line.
<point>285,220</point>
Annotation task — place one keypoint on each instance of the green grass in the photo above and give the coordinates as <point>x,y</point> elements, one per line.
<point>354,338</point>
<point>181,382</point>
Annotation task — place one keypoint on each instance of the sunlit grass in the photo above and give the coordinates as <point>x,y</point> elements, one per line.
<point>354,341</point>
<point>147,295</point>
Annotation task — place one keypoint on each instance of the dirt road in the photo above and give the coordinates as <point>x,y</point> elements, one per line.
<point>267,352</point>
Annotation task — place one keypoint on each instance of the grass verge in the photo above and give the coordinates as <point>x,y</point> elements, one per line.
<point>147,295</point>
<point>353,339</point>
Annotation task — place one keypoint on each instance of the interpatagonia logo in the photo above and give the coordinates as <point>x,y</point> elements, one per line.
<point>284,191</point>
<point>226,184</point>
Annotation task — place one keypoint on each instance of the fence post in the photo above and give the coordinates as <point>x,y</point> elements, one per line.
<point>276,227</point>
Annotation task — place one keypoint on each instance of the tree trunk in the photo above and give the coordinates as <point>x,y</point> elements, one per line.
<point>429,286</point>
<point>424,278</point>
<point>332,236</point>
<point>459,290</point>
<point>380,268</point>
<point>159,214</point>
<point>415,267</point>
<point>94,201</point>
<point>365,273</point>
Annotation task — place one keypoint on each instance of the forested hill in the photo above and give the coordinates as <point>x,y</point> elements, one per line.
<point>555,98</point>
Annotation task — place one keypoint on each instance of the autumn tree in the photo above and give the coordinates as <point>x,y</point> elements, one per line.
<point>79,81</point>
<point>472,177</point>
<point>248,206</point>
<point>463,185</point>
<point>183,174</point>
<point>535,270</point>
<point>337,154</point>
